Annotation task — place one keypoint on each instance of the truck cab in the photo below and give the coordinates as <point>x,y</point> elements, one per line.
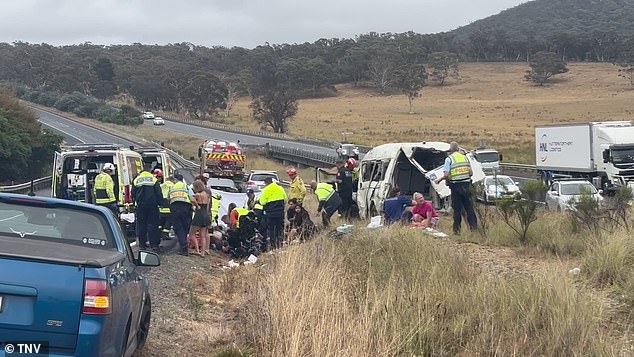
<point>221,159</point>
<point>615,155</point>
<point>602,152</point>
<point>76,167</point>
<point>489,159</point>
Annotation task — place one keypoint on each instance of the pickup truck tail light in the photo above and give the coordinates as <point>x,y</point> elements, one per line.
<point>97,297</point>
<point>127,195</point>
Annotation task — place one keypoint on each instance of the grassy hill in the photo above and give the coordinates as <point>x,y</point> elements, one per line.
<point>545,17</point>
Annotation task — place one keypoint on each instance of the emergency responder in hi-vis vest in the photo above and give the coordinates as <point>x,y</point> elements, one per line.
<point>104,189</point>
<point>165,222</point>
<point>329,200</point>
<point>457,172</point>
<point>147,198</point>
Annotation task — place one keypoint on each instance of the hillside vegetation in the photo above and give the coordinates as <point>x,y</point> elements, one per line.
<point>25,149</point>
<point>546,17</point>
<point>490,102</point>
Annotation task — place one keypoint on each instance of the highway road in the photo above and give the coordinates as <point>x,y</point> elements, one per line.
<point>77,133</point>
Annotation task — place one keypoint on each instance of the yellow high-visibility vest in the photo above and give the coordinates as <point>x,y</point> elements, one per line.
<point>104,189</point>
<point>460,168</point>
<point>179,193</point>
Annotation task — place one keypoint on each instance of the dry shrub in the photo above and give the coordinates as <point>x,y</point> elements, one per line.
<point>397,293</point>
<point>610,260</point>
<point>552,233</point>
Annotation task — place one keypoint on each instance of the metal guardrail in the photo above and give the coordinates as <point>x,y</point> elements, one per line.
<point>233,129</point>
<point>528,171</point>
<point>25,188</point>
<point>298,156</point>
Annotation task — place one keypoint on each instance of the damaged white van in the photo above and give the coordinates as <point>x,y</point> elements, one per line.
<point>413,167</point>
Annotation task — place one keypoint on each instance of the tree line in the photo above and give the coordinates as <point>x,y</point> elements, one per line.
<point>25,149</point>
<point>201,81</point>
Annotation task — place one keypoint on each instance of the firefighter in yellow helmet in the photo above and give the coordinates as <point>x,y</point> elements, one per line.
<point>104,189</point>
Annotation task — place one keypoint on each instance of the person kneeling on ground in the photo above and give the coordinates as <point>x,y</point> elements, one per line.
<point>329,200</point>
<point>302,226</point>
<point>424,213</point>
<point>397,207</point>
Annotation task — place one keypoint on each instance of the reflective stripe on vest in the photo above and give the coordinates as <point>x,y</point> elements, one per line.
<point>460,167</point>
<point>103,183</point>
<point>179,193</point>
<point>215,208</point>
<point>165,190</point>
<point>145,179</point>
<point>324,191</point>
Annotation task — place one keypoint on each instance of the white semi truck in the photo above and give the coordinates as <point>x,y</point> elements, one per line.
<point>602,152</point>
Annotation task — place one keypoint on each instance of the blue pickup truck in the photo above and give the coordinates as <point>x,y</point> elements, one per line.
<point>69,280</point>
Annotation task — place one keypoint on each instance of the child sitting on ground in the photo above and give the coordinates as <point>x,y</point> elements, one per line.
<point>424,214</point>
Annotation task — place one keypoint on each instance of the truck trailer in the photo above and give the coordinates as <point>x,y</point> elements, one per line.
<point>602,152</point>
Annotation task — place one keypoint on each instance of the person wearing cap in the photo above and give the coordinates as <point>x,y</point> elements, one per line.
<point>273,200</point>
<point>297,189</point>
<point>181,202</point>
<point>457,172</point>
<point>148,198</point>
<point>329,200</point>
<point>104,189</point>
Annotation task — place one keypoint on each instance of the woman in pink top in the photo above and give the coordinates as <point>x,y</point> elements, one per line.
<point>424,213</point>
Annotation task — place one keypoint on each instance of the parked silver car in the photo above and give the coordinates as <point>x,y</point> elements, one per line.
<point>561,193</point>
<point>497,187</point>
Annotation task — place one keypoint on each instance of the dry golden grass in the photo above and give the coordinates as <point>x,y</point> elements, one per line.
<point>491,102</point>
<point>397,293</point>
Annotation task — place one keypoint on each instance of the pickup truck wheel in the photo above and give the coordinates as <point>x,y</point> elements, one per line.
<point>144,326</point>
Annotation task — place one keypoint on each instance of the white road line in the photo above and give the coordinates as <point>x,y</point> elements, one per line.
<point>10,218</point>
<point>65,132</point>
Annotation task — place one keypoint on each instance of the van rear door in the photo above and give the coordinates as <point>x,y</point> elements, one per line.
<point>57,174</point>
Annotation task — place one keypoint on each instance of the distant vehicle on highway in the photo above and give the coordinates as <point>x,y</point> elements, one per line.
<point>221,159</point>
<point>257,177</point>
<point>70,278</point>
<point>489,159</point>
<point>158,121</point>
<point>148,115</point>
<point>493,188</point>
<point>346,151</point>
<point>601,151</point>
<point>562,192</point>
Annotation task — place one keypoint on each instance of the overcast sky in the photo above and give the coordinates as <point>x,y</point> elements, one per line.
<point>245,23</point>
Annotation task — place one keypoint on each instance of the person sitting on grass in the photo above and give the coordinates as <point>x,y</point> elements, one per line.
<point>302,226</point>
<point>425,216</point>
<point>397,207</point>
